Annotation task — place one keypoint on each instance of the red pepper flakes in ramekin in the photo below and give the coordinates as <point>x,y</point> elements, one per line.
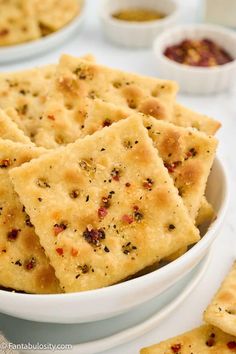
<point>203,53</point>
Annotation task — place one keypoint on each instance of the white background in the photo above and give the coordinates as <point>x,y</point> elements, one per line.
<point>222,107</point>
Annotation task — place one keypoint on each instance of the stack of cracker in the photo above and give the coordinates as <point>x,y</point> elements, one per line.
<point>103,175</point>
<point>26,20</point>
<point>218,336</point>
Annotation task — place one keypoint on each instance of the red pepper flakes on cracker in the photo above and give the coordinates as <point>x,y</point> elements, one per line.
<point>58,228</point>
<point>60,251</point>
<point>74,252</point>
<point>102,212</point>
<point>5,163</point>
<point>127,219</point>
<point>148,183</point>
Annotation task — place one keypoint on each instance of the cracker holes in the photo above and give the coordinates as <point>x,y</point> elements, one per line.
<point>127,144</point>
<point>231,311</point>
<point>74,193</point>
<point>60,140</point>
<point>158,90</point>
<point>42,183</point>
<point>69,106</point>
<point>117,84</point>
<point>131,103</point>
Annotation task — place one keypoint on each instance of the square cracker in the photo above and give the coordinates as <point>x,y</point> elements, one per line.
<point>77,82</point>
<point>17,22</point>
<point>54,14</point>
<point>26,92</point>
<point>187,118</point>
<point>107,210</point>
<point>187,153</point>
<point>202,340</point>
<point>222,310</point>
<point>9,130</point>
<point>23,264</point>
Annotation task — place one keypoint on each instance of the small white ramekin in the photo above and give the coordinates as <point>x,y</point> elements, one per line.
<point>137,34</point>
<point>197,80</point>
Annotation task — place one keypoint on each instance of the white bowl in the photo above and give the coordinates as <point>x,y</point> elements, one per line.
<point>44,44</point>
<point>108,302</point>
<point>197,80</point>
<point>137,34</point>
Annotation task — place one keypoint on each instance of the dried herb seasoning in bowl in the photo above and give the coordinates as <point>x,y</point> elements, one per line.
<point>138,23</point>
<point>138,15</point>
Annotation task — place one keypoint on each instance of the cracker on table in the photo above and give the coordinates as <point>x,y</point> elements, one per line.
<point>23,264</point>
<point>187,153</point>
<point>9,130</point>
<point>108,206</point>
<point>202,340</point>
<point>222,310</point>
<point>54,14</point>
<point>187,118</point>
<point>77,82</point>
<point>17,22</point>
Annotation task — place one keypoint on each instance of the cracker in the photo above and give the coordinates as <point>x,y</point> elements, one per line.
<point>204,217</point>
<point>187,153</point>
<point>222,310</point>
<point>107,209</point>
<point>53,14</point>
<point>23,264</point>
<point>26,91</point>
<point>77,82</point>
<point>202,340</point>
<point>206,212</point>
<point>187,118</point>
<point>9,130</point>
<point>17,22</point>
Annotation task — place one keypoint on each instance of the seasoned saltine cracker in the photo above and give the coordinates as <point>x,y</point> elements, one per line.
<point>206,212</point>
<point>54,14</point>
<point>187,118</point>
<point>222,310</point>
<point>104,207</point>
<point>17,22</point>
<point>23,264</point>
<point>204,217</point>
<point>9,130</point>
<point>26,91</point>
<point>202,340</point>
<point>187,153</point>
<point>77,82</point>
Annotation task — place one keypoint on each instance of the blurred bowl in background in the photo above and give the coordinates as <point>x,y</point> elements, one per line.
<point>137,34</point>
<point>195,79</point>
<point>44,44</point>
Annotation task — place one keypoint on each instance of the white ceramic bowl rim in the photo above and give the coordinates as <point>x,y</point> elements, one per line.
<point>159,45</point>
<point>148,24</point>
<point>92,294</point>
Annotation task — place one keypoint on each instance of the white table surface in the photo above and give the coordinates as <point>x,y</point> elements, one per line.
<point>222,107</point>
